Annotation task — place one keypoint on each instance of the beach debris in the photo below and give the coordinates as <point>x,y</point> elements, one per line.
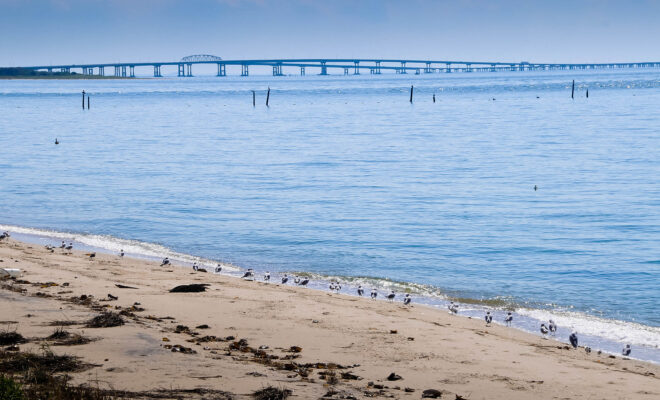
<point>166,339</point>
<point>431,394</point>
<point>111,297</point>
<point>394,377</point>
<point>192,288</point>
<point>120,286</point>
<point>272,393</point>
<point>105,320</point>
<point>409,390</point>
<point>10,338</point>
<point>203,326</point>
<point>295,349</point>
<point>46,362</point>
<point>393,331</point>
<point>350,376</point>
<point>62,337</point>
<point>177,348</point>
<point>181,329</point>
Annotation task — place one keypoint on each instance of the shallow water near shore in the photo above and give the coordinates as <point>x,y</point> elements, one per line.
<point>343,177</point>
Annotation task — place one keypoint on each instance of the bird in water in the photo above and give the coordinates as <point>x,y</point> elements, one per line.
<point>453,308</point>
<point>332,286</point>
<point>267,276</point>
<point>218,269</point>
<point>390,296</point>
<point>536,188</point>
<point>552,327</point>
<point>304,282</point>
<point>56,141</point>
<point>337,287</point>
<point>296,280</point>
<point>488,318</point>
<point>166,261</point>
<point>360,291</point>
<point>626,350</point>
<point>573,339</point>
<point>285,279</point>
<point>407,299</point>
<point>374,294</point>
<point>508,319</point>
<point>544,331</point>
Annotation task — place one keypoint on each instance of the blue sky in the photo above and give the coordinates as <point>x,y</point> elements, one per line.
<point>90,31</point>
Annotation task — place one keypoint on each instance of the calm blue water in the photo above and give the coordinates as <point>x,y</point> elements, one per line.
<point>342,176</point>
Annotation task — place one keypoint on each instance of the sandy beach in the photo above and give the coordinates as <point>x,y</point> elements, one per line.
<point>311,342</point>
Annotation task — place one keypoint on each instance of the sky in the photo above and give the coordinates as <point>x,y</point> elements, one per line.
<point>44,32</point>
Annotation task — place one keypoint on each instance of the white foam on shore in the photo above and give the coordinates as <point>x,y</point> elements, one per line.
<point>614,330</point>
<point>114,245</point>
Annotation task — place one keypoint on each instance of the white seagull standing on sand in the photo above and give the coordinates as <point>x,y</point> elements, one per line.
<point>552,327</point>
<point>249,274</point>
<point>488,318</point>
<point>508,319</point>
<point>626,350</point>
<point>407,299</point>
<point>360,291</point>
<point>296,280</point>
<point>390,296</point>
<point>267,276</point>
<point>337,287</point>
<point>285,279</point>
<point>304,282</point>
<point>453,308</point>
<point>166,261</point>
<point>218,268</point>
<point>374,294</point>
<point>121,253</point>
<point>544,331</point>
<point>332,286</point>
<point>63,245</point>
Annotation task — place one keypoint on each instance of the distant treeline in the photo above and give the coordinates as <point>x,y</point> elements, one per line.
<point>30,72</point>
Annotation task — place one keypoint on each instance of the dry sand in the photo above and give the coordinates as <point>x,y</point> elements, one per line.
<point>430,349</point>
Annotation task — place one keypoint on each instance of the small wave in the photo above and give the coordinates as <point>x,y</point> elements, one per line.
<point>615,330</point>
<point>113,244</point>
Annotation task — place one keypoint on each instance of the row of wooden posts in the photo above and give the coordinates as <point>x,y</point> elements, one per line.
<point>254,96</point>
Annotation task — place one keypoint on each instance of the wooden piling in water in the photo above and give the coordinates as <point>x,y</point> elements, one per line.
<point>254,99</point>
<point>83,99</point>
<point>268,97</point>
<point>434,97</point>
<point>587,93</point>
<point>573,90</point>
<point>411,93</point>
<point>88,102</point>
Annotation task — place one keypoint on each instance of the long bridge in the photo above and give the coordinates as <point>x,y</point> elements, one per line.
<point>350,66</point>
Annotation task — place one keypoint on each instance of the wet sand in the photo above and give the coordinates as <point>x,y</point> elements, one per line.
<point>363,339</point>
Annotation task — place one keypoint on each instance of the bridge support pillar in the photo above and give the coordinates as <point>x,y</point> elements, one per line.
<point>468,67</point>
<point>377,70</point>
<point>356,70</point>
<point>50,70</point>
<point>189,68</point>
<point>123,71</point>
<point>492,68</point>
<point>302,71</point>
<point>324,69</point>
<point>417,71</point>
<point>132,71</point>
<point>244,70</point>
<point>403,70</point>
<point>428,69</point>
<point>345,71</point>
<point>448,70</point>
<point>277,70</point>
<point>117,70</point>
<point>222,69</point>
<point>180,70</point>
<point>101,71</point>
<point>157,73</point>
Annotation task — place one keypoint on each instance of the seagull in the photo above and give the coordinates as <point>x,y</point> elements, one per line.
<point>407,299</point>
<point>374,294</point>
<point>360,291</point>
<point>296,280</point>
<point>337,287</point>
<point>332,286</point>
<point>544,331</point>
<point>304,282</point>
<point>573,339</point>
<point>121,253</point>
<point>536,188</point>
<point>626,350</point>
<point>218,268</point>
<point>195,267</point>
<point>56,142</point>
<point>166,261</point>
<point>390,296</point>
<point>267,276</point>
<point>552,327</point>
<point>248,274</point>
<point>508,319</point>
<point>587,349</point>
<point>453,308</point>
<point>488,318</point>
<point>69,247</point>
<point>63,245</point>
<point>92,255</point>
<point>285,279</point>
